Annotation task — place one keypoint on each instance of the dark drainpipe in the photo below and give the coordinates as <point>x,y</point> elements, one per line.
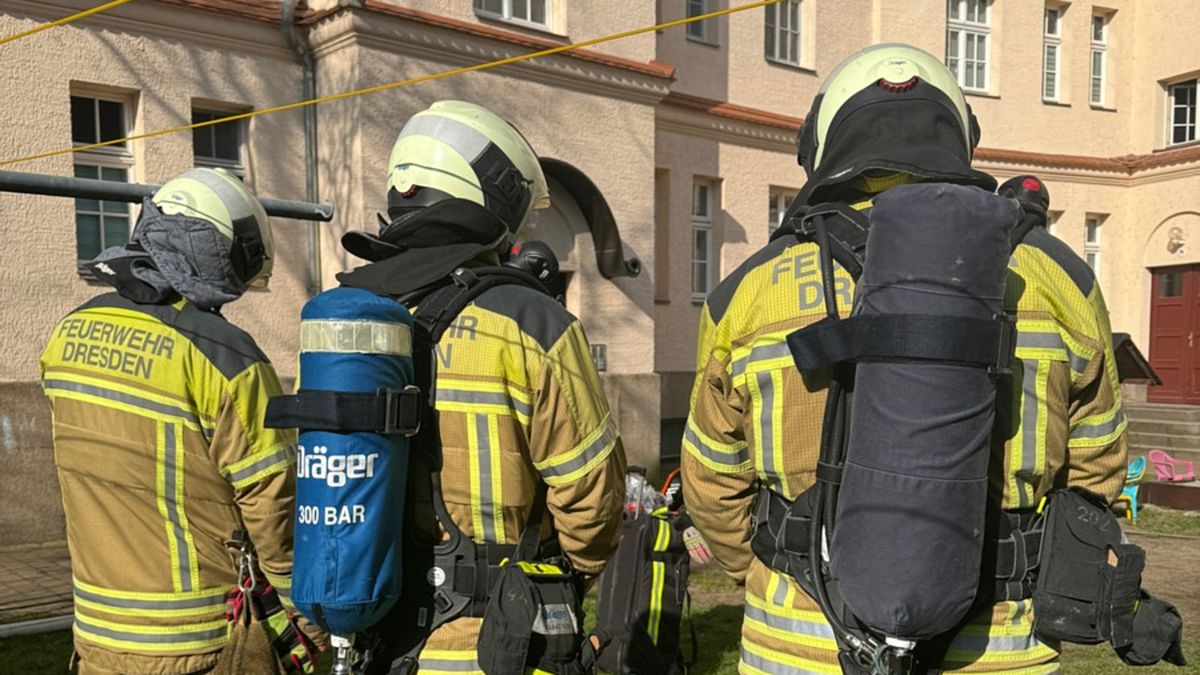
<point>298,41</point>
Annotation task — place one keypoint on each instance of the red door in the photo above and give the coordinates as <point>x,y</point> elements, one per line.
<point>1174,334</point>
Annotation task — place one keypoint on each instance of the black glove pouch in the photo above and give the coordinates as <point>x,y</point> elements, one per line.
<point>1089,584</point>
<point>534,619</point>
<point>1157,634</point>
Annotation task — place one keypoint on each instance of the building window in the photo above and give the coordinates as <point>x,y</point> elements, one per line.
<point>219,145</point>
<point>783,32</point>
<point>96,119</point>
<point>701,31</point>
<point>1099,56</point>
<point>1091,241</point>
<point>1051,44</point>
<point>780,200</point>
<point>1171,285</point>
<point>1181,108</point>
<point>532,12</point>
<point>968,24</point>
<point>702,239</point>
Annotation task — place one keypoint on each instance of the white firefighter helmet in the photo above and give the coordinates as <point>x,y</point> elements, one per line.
<point>456,149</point>
<point>219,197</point>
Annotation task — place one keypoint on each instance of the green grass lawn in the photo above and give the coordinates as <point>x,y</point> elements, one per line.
<point>1157,520</point>
<point>717,618</point>
<point>44,653</point>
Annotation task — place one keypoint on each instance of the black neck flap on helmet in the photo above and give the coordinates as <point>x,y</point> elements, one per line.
<point>911,128</point>
<point>422,246</point>
<point>506,192</point>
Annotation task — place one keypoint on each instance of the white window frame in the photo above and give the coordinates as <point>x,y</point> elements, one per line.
<point>1052,42</point>
<point>702,224</point>
<point>700,31</point>
<point>506,13</point>
<point>109,156</point>
<point>1099,47</point>
<point>1172,107</point>
<point>779,199</point>
<point>784,34</point>
<point>1093,223</point>
<point>957,24</point>
<point>237,167</point>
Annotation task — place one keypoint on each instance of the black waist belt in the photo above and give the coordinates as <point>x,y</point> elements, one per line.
<point>476,580</point>
<point>1012,556</point>
<point>782,529</point>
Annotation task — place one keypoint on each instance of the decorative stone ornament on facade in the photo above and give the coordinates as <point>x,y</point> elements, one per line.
<point>1176,245</point>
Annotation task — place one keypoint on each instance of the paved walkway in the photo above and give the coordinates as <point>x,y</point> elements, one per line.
<point>35,581</point>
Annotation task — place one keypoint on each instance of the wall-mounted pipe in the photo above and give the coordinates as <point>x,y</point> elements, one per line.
<point>299,43</point>
<point>134,193</point>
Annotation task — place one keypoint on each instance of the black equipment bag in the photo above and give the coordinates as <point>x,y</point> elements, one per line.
<point>534,615</point>
<point>1089,585</point>
<point>643,595</point>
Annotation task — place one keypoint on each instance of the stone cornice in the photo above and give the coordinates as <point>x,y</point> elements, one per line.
<point>396,33</point>
<point>653,68</point>
<point>694,119</point>
<point>184,21</point>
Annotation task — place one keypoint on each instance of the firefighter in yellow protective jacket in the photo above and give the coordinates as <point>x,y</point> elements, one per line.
<point>755,421</point>
<point>158,438</point>
<point>519,401</point>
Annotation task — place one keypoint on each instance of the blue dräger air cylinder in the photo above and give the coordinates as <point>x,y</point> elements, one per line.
<point>350,486</point>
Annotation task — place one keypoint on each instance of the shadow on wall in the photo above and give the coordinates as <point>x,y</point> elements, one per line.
<point>274,162</point>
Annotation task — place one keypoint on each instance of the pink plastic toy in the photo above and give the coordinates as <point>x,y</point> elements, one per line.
<point>1171,470</point>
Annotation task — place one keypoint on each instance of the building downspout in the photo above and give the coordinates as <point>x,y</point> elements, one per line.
<point>298,41</point>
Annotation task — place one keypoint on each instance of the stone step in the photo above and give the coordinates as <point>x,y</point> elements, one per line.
<point>1185,455</point>
<point>1168,442</point>
<point>1145,426</point>
<point>1164,412</point>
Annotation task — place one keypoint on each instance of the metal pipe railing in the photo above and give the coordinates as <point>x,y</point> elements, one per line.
<point>89,188</point>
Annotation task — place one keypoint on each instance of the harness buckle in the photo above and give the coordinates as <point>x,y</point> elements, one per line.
<point>401,410</point>
<point>464,277</point>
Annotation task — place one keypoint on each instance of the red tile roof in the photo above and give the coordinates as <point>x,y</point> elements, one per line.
<point>259,10</point>
<point>733,111</point>
<point>1128,164</point>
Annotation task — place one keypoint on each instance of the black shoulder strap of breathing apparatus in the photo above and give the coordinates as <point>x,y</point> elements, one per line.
<point>436,310</point>
<point>840,234</point>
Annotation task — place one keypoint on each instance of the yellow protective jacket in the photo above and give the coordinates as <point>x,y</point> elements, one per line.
<point>520,402</point>
<point>754,420</point>
<point>161,453</point>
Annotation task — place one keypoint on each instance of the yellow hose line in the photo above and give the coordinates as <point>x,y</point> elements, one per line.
<point>63,21</point>
<point>398,83</point>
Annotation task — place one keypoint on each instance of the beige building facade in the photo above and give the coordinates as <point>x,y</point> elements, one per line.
<point>687,134</point>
